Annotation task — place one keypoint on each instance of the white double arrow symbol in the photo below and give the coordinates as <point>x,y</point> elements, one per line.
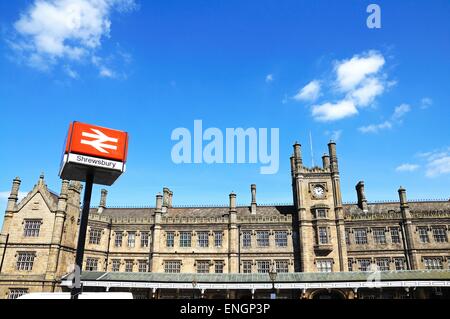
<point>99,141</point>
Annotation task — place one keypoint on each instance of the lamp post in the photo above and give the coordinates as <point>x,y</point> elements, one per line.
<point>194,285</point>
<point>273,277</point>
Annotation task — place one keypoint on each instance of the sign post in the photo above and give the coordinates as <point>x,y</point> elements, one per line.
<point>94,155</point>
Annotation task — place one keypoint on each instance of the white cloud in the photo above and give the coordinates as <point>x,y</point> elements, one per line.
<point>367,92</point>
<point>269,78</point>
<point>67,31</point>
<point>375,128</point>
<point>400,111</point>
<point>396,117</point>
<point>438,166</point>
<point>334,135</point>
<point>437,162</point>
<point>70,72</point>
<point>334,111</point>
<point>309,92</point>
<point>425,103</point>
<point>351,73</point>
<point>407,167</point>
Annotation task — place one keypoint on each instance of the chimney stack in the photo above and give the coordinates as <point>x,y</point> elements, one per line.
<point>170,199</point>
<point>253,205</point>
<point>362,201</point>
<point>165,201</point>
<point>14,195</point>
<point>232,202</point>
<point>102,205</point>
<point>298,157</point>
<point>159,203</point>
<point>402,196</point>
<point>326,161</point>
<point>333,156</point>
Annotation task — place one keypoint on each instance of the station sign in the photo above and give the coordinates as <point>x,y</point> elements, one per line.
<point>91,149</point>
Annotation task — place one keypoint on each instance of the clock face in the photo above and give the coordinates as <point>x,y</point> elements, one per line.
<point>318,191</point>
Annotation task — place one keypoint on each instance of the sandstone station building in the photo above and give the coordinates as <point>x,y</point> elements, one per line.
<point>317,247</point>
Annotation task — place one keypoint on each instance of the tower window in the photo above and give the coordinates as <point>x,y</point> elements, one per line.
<point>323,235</point>
<point>324,265</point>
<point>440,235</point>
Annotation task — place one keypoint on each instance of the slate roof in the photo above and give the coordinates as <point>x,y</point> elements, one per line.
<point>270,211</point>
<point>438,275</point>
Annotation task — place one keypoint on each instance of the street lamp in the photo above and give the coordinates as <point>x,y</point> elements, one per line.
<point>194,285</point>
<point>273,277</point>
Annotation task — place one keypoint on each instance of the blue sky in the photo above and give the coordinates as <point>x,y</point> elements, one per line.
<point>300,66</point>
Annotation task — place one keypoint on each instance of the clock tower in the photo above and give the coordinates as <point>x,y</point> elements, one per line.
<point>319,219</point>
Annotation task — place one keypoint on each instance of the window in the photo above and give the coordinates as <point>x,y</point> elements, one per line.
<point>321,213</point>
<point>218,266</point>
<point>379,236</point>
<point>247,267</point>
<point>25,260</point>
<point>144,239</point>
<point>360,236</point>
<point>32,227</point>
<point>202,239</point>
<point>382,264</point>
<point>128,265</point>
<point>247,239</point>
<point>395,235</point>
<point>95,236</point>
<point>347,236</point>
<point>323,235</point>
<point>324,265</point>
<point>17,292</point>
<point>399,263</point>
<point>172,266</point>
<point>281,238</point>
<point>170,239</point>
<point>218,236</point>
<point>364,264</point>
<point>131,239</point>
<point>350,265</point>
<point>142,265</point>
<point>185,239</point>
<point>282,265</point>
<point>115,265</point>
<point>440,235</point>
<point>263,266</point>
<point>118,240</point>
<point>262,238</point>
<point>433,263</point>
<point>91,264</point>
<point>202,266</point>
<point>423,235</point>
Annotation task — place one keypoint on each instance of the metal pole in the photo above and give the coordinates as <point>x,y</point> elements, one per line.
<point>83,229</point>
<point>4,252</point>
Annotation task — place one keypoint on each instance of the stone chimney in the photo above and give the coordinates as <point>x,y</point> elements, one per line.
<point>333,156</point>
<point>14,195</point>
<point>253,204</point>
<point>11,206</point>
<point>232,202</point>
<point>402,197</point>
<point>159,203</point>
<point>362,201</point>
<point>170,199</point>
<point>326,161</point>
<point>165,201</point>
<point>103,196</point>
<point>298,157</point>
